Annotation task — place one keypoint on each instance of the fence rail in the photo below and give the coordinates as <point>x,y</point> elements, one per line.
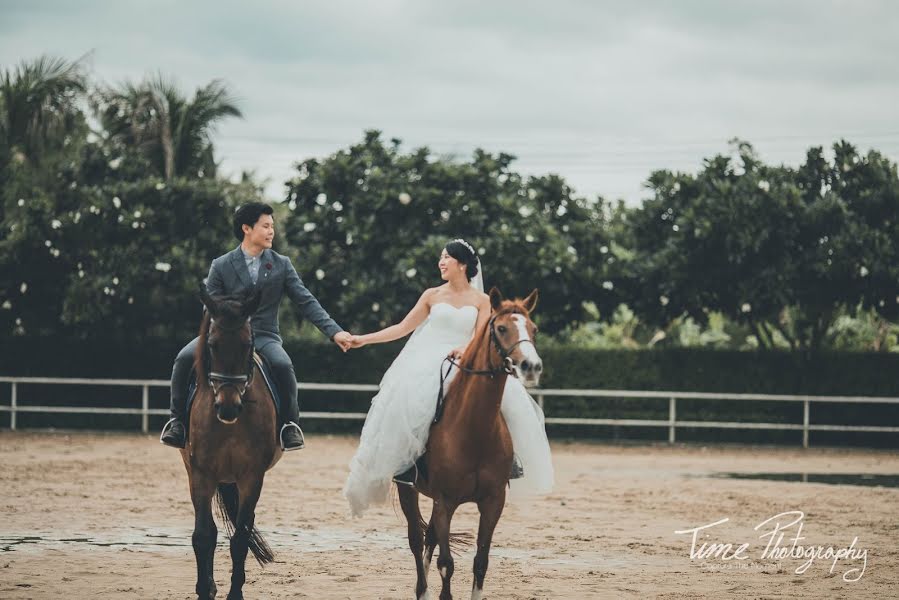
<point>672,423</point>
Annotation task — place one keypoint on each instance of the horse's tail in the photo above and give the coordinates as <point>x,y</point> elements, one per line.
<point>458,542</point>
<point>228,500</point>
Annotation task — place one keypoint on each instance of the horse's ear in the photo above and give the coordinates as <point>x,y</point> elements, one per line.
<point>251,303</point>
<point>206,299</point>
<point>531,301</point>
<point>496,298</point>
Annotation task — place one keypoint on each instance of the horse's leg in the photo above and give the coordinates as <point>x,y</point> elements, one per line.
<point>202,488</point>
<point>490,508</point>
<point>409,504</point>
<point>443,515</point>
<point>430,542</point>
<point>248,491</point>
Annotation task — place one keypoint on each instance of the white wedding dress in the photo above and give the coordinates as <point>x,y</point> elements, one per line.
<point>396,428</point>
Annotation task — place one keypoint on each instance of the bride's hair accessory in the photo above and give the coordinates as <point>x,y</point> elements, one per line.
<point>467,245</point>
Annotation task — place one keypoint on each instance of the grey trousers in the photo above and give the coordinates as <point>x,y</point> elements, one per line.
<point>270,348</point>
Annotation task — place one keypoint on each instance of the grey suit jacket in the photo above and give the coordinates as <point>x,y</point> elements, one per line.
<point>277,276</point>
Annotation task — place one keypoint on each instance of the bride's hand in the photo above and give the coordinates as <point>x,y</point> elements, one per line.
<point>356,341</point>
<point>456,353</point>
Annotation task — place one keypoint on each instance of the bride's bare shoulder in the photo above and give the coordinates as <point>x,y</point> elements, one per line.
<point>430,293</point>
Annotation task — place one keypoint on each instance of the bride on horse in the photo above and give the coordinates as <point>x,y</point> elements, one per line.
<point>396,429</point>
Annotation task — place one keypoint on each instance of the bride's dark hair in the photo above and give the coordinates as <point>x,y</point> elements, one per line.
<point>465,254</point>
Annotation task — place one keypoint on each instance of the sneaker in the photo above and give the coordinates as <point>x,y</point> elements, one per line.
<point>173,434</point>
<point>517,468</point>
<point>292,437</point>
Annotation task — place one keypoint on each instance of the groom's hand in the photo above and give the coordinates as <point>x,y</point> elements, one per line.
<point>344,340</point>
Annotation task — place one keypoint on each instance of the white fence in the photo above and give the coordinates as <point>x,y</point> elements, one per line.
<point>672,423</point>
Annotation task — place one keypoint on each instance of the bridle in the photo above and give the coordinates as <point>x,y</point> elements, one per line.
<point>504,353</point>
<point>217,380</point>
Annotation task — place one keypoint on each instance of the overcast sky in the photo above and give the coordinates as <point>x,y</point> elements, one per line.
<point>599,92</point>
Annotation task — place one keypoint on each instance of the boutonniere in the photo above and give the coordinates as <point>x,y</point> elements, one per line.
<point>268,267</point>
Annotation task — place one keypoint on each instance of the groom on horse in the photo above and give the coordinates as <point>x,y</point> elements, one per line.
<point>253,265</point>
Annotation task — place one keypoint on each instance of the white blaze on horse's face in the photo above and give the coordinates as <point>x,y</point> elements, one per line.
<point>530,367</point>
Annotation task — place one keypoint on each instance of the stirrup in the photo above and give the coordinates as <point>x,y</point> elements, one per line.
<point>165,428</point>
<point>287,425</point>
<point>413,471</point>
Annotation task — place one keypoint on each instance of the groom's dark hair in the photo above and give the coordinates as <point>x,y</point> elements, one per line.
<point>248,214</point>
<point>465,255</point>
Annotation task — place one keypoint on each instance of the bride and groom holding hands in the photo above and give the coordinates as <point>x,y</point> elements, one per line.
<point>396,428</point>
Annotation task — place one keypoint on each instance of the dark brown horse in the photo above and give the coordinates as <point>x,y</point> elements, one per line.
<point>232,440</point>
<point>469,454</point>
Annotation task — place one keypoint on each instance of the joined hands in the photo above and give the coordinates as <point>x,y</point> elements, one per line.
<point>342,339</point>
<point>348,341</point>
<point>356,341</point>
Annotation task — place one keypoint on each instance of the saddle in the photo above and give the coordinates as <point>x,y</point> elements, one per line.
<point>262,367</point>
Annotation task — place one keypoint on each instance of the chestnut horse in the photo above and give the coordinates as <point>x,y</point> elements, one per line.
<point>469,451</point>
<point>232,440</point>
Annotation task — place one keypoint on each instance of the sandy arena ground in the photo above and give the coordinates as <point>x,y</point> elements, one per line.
<point>108,516</point>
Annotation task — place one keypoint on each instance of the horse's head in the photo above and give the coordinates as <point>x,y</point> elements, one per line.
<point>513,334</point>
<point>229,340</point>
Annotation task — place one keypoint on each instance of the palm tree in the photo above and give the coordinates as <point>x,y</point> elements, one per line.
<point>39,107</point>
<point>172,132</point>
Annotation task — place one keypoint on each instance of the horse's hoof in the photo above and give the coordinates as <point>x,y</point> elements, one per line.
<point>238,595</point>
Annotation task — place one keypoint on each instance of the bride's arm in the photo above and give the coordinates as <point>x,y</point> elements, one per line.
<point>484,311</point>
<point>415,318</point>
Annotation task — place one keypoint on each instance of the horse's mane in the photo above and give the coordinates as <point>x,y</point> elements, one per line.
<point>230,309</point>
<point>200,353</point>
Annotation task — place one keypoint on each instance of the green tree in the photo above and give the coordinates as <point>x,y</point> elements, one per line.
<point>369,223</point>
<point>39,112</point>
<point>119,260</point>
<point>155,123</point>
<point>783,251</point>
<point>864,331</point>
<point>92,242</point>
<point>141,250</point>
<point>42,130</point>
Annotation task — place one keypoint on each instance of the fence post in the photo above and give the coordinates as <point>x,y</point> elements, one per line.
<point>145,410</point>
<point>14,401</point>
<point>805,409</point>
<point>672,417</point>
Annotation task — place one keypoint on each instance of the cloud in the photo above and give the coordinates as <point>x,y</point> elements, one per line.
<point>599,92</point>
